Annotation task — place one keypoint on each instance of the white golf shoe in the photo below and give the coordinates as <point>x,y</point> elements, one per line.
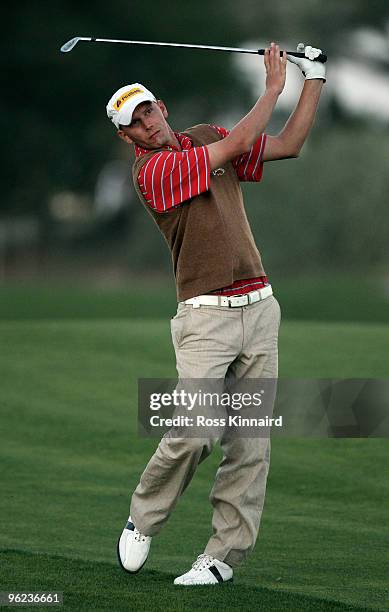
<point>133,548</point>
<point>206,570</point>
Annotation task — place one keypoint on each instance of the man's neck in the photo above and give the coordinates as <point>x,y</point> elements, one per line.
<point>173,141</point>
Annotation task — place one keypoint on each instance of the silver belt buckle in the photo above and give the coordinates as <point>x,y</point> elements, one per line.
<point>239,300</point>
<point>254,296</point>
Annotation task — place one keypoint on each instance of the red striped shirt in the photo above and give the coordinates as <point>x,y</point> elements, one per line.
<point>240,287</point>
<point>172,177</point>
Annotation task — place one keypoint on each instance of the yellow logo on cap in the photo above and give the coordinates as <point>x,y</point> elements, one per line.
<point>127,94</point>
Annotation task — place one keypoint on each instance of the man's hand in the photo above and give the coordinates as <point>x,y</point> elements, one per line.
<point>309,68</point>
<point>275,68</point>
<point>248,130</point>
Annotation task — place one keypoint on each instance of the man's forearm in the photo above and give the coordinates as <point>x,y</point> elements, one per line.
<point>248,130</point>
<point>300,122</point>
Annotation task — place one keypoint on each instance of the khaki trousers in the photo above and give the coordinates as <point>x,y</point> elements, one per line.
<point>216,342</point>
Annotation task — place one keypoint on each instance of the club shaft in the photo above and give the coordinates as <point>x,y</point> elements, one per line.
<point>165,44</point>
<point>71,43</point>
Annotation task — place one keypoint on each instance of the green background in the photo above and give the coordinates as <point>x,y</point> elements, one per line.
<point>85,302</point>
<point>71,457</point>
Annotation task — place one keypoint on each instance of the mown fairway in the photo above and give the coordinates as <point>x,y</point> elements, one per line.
<point>70,457</point>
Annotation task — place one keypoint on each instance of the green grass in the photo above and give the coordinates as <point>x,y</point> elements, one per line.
<point>70,458</point>
<point>100,586</point>
<point>320,298</point>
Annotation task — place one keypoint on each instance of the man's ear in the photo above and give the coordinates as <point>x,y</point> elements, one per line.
<point>163,108</point>
<point>124,137</point>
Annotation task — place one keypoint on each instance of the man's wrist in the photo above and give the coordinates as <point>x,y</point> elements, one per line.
<point>316,82</point>
<point>272,92</point>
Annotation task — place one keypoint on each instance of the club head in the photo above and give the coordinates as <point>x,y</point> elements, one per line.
<point>68,46</point>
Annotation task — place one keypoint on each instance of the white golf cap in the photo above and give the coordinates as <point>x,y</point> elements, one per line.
<point>125,100</point>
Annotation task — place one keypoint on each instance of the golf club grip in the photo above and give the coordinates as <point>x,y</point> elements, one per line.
<point>322,58</point>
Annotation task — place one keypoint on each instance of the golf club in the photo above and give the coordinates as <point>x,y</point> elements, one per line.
<point>68,46</point>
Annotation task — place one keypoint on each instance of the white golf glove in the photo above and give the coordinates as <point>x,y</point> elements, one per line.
<point>309,68</point>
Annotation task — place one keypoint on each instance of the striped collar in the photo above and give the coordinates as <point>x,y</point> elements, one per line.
<point>185,143</point>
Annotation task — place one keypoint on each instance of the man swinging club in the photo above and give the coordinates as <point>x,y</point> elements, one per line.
<point>227,319</point>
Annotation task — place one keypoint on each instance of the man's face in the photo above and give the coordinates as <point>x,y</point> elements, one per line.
<point>148,128</point>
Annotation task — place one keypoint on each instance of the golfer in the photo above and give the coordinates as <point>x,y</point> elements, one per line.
<point>227,319</point>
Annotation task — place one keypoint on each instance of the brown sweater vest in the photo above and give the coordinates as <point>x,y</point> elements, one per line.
<point>209,236</point>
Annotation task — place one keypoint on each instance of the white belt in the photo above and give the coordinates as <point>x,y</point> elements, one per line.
<point>234,301</point>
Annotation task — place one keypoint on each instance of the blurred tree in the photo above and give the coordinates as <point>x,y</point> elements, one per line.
<point>55,131</point>
<point>56,135</point>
